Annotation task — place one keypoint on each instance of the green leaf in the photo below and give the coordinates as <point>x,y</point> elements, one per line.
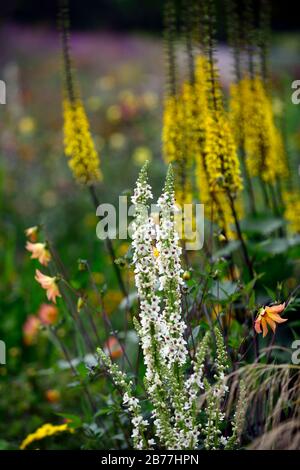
<point>261,226</point>
<point>223,290</point>
<point>227,250</point>
<point>277,246</point>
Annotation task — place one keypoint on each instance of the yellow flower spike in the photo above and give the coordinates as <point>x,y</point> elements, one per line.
<point>44,431</point>
<point>292,210</point>
<point>79,145</point>
<point>252,118</point>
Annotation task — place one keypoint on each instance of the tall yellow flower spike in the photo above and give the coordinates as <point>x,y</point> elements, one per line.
<point>220,163</point>
<point>177,149</point>
<point>292,210</point>
<point>79,145</point>
<point>252,118</point>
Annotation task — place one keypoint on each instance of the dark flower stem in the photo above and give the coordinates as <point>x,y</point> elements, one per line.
<point>241,238</point>
<point>109,246</point>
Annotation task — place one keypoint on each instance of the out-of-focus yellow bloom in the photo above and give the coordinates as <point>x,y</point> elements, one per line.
<point>44,431</point>
<point>79,145</point>
<point>39,251</point>
<point>292,210</point>
<point>98,277</point>
<point>129,101</point>
<point>252,118</point>
<point>107,82</point>
<point>114,113</point>
<point>123,249</point>
<point>141,155</point>
<point>94,103</point>
<point>112,300</point>
<point>117,141</point>
<point>150,100</point>
<point>26,125</point>
<point>90,220</point>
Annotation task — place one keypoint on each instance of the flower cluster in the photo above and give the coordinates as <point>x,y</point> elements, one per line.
<point>292,210</point>
<point>177,132</point>
<point>238,421</point>
<point>252,118</point>
<point>132,404</point>
<point>215,397</point>
<point>170,279</point>
<point>197,133</point>
<point>161,329</point>
<point>79,145</point>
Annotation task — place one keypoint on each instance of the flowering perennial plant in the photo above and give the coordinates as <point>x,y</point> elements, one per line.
<point>173,384</point>
<point>255,130</point>
<point>139,424</point>
<point>79,144</point>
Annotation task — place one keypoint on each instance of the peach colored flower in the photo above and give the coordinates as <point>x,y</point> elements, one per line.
<point>48,314</point>
<point>49,284</point>
<point>269,316</point>
<point>39,251</point>
<point>112,347</point>
<point>30,329</point>
<point>31,233</point>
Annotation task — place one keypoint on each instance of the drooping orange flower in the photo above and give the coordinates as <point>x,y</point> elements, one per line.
<point>39,251</point>
<point>269,316</point>
<point>30,329</point>
<point>31,233</point>
<point>48,314</point>
<point>49,284</point>
<point>113,348</point>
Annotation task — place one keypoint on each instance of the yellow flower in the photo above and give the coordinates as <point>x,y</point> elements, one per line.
<point>292,210</point>
<point>142,155</point>
<point>79,145</point>
<point>114,113</point>
<point>40,252</point>
<point>112,300</point>
<point>26,125</point>
<point>155,252</point>
<point>252,117</point>
<point>49,284</point>
<point>107,82</point>
<point>117,141</point>
<point>44,431</point>
<point>150,100</point>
